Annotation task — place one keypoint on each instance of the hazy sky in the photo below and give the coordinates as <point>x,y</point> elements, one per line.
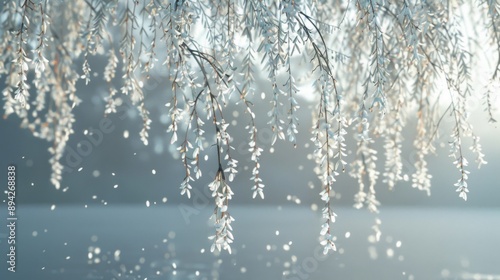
<point>120,169</point>
<point>116,149</point>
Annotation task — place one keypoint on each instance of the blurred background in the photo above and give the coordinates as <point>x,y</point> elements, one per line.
<point>154,171</point>
<point>119,213</point>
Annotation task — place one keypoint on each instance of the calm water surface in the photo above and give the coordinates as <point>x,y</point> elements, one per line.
<point>170,242</point>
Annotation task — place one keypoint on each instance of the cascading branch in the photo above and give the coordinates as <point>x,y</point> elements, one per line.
<point>371,65</point>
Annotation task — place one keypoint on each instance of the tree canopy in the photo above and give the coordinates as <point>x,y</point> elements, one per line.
<point>369,66</point>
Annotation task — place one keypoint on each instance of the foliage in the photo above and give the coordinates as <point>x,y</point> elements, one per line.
<point>373,64</point>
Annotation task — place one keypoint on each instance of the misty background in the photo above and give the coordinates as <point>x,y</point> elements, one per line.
<point>119,169</point>
<point>119,213</point>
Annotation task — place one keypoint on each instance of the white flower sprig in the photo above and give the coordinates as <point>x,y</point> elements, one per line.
<point>221,218</point>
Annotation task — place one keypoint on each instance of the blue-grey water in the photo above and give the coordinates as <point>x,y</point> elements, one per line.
<point>159,242</point>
